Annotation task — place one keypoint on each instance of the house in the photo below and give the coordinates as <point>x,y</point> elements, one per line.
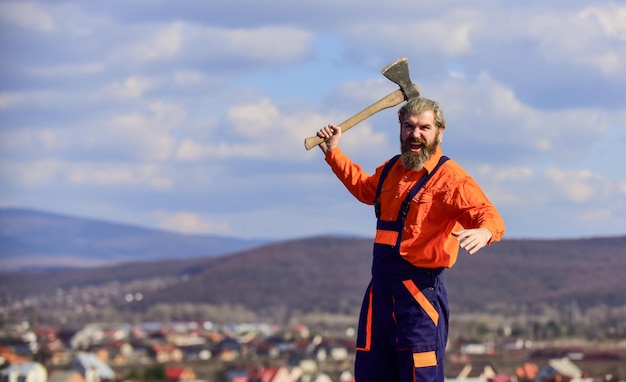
<point>270,374</point>
<point>166,353</point>
<point>8,355</point>
<point>477,348</point>
<point>528,371</point>
<point>475,372</point>
<point>116,352</point>
<point>237,376</point>
<point>65,376</point>
<point>196,352</point>
<point>335,349</point>
<point>92,368</point>
<point>24,372</point>
<point>60,357</point>
<point>176,374</point>
<point>267,349</point>
<point>561,369</point>
<point>308,366</point>
<point>265,374</point>
<point>502,378</point>
<point>228,349</point>
<point>321,377</point>
<point>346,376</point>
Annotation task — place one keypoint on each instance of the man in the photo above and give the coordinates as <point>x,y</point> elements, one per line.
<point>425,206</point>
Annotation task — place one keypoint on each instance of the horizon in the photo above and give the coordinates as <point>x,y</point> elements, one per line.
<point>269,241</point>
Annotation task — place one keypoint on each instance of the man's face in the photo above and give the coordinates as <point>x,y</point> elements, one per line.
<point>419,138</point>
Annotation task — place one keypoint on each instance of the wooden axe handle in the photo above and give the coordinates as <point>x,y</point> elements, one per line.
<point>391,100</point>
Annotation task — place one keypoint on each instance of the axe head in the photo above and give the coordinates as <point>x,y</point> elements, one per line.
<point>398,72</point>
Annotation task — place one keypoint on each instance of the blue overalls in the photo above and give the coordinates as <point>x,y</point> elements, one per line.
<point>403,324</point>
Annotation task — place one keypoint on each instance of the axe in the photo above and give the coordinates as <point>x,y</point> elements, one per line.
<point>398,72</point>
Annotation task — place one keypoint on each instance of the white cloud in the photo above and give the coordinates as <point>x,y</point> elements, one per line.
<point>198,44</point>
<point>110,175</point>
<point>29,175</point>
<point>191,223</point>
<point>146,136</point>
<point>612,18</point>
<point>162,43</point>
<point>489,112</point>
<point>575,185</point>
<point>53,173</point>
<point>130,88</point>
<point>273,43</point>
<point>189,150</point>
<point>185,78</point>
<point>449,35</point>
<point>15,99</point>
<point>594,37</point>
<point>27,14</point>
<point>18,142</point>
<point>256,120</point>
<point>514,174</point>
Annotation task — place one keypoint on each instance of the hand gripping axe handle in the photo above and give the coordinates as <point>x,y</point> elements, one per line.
<point>398,72</point>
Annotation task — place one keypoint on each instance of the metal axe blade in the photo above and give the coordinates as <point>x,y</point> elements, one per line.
<point>398,72</point>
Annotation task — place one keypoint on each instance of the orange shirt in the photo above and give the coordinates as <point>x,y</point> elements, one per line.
<point>450,201</point>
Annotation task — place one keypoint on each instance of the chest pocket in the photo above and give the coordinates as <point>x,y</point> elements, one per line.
<point>421,207</point>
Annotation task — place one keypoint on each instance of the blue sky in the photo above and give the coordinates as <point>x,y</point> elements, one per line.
<point>190,116</point>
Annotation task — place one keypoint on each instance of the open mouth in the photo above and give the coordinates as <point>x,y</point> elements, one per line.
<point>416,146</point>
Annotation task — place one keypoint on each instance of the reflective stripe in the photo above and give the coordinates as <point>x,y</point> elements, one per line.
<point>424,359</point>
<point>386,237</point>
<point>422,301</point>
<point>368,324</point>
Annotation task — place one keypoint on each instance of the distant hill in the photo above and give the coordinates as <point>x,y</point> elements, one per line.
<point>329,274</point>
<point>30,238</point>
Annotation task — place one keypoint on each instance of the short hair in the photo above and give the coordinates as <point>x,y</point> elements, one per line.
<point>418,105</point>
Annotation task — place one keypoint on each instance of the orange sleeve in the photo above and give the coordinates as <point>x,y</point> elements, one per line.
<point>474,210</point>
<point>358,182</point>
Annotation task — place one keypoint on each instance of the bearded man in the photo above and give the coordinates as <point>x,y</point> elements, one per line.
<point>427,207</point>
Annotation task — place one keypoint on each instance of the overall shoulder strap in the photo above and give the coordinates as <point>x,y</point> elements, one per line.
<point>383,175</point>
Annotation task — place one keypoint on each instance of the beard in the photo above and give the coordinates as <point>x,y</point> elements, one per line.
<point>415,161</point>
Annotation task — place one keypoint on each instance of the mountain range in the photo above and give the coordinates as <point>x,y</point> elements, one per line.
<point>31,238</point>
<point>323,274</point>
